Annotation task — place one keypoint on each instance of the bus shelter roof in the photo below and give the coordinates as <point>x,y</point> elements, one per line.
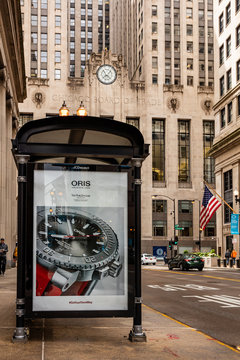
<point>74,139</point>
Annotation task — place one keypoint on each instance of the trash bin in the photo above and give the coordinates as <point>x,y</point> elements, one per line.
<point>224,262</point>
<point>219,262</point>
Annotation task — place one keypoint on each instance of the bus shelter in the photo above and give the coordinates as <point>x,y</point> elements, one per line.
<point>79,220</point>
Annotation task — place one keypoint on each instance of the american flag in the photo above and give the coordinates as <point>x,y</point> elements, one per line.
<point>209,205</point>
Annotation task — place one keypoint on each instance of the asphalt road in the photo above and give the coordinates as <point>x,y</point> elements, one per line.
<point>208,301</point>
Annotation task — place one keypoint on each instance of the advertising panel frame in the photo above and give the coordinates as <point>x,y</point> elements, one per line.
<point>29,255</point>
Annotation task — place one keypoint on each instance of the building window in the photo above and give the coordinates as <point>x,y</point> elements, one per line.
<point>154,78</point>
<point>237,5</point>
<point>189,64</point>
<point>34,4</point>
<point>238,70</point>
<point>158,149</point>
<point>154,27</point>
<point>238,36</point>
<point>210,229</point>
<point>189,80</point>
<point>34,38</point>
<point>159,217</point>
<point>189,30</point>
<point>183,151</point>
<point>43,38</point>
<point>57,20</point>
<point>200,15</point>
<point>185,217</point>
<point>229,79</point>
<point>228,195</point>
<point>221,23</point>
<point>43,73</point>
<point>34,20</point>
<point>34,55</point>
<point>229,112</point>
<point>57,38</point>
<point>189,13</point>
<point>43,20</point>
<point>133,121</point>
<point>154,44</point>
<point>228,46</point>
<point>222,118</point>
<point>221,82</point>
<point>208,161</point>
<point>154,62</point>
<point>43,56</point>
<point>154,10</point>
<point>57,74</point>
<point>44,4</point>
<point>57,4</point>
<point>228,13</point>
<point>33,72</point>
<point>189,46</point>
<point>57,56</point>
<point>24,118</point>
<point>221,55</point>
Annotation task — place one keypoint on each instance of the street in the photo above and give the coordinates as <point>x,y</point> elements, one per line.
<point>208,301</point>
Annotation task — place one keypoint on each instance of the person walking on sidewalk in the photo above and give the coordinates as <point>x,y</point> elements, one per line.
<point>3,256</point>
<point>227,256</point>
<point>233,256</point>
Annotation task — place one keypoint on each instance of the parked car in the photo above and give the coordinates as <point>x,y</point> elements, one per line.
<point>186,262</point>
<point>148,259</point>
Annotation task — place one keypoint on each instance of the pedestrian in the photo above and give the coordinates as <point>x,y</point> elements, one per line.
<point>227,256</point>
<point>3,256</point>
<point>233,256</point>
<point>165,257</point>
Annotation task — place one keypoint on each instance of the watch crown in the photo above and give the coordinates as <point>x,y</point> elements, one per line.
<point>115,269</point>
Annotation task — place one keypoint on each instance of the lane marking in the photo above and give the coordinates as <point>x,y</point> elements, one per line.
<point>172,287</point>
<point>189,327</point>
<point>206,276</point>
<point>226,301</point>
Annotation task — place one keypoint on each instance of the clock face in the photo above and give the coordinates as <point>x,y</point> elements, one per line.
<point>106,74</point>
<point>74,240</point>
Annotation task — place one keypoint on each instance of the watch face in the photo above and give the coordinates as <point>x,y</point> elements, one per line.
<point>106,74</point>
<point>73,239</point>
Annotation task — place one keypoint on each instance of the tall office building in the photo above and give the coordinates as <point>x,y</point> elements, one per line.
<point>162,55</point>
<point>226,148</point>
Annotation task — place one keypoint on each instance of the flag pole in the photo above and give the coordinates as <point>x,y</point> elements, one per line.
<point>220,197</point>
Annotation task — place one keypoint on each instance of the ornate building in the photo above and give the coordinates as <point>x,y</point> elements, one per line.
<point>163,58</point>
<point>12,91</point>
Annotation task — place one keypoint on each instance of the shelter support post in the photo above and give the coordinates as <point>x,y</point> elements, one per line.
<point>137,334</point>
<point>20,333</point>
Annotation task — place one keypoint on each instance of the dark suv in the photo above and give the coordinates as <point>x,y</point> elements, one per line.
<point>186,262</point>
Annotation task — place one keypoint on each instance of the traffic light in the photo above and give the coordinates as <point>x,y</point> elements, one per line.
<point>170,244</point>
<point>175,240</point>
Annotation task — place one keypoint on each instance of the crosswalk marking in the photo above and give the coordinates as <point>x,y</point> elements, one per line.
<point>226,301</point>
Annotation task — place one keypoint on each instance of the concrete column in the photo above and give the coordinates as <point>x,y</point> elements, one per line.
<point>3,160</point>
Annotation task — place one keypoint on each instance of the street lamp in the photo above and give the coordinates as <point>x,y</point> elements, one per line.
<point>81,111</point>
<point>200,229</point>
<point>237,199</point>
<point>174,216</point>
<point>63,111</point>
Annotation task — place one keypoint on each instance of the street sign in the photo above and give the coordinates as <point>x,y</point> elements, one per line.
<point>178,228</point>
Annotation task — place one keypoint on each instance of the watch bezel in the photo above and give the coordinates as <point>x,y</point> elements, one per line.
<point>52,259</point>
<point>101,79</point>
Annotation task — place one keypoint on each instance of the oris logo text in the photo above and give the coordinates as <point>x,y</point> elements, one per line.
<point>80,183</point>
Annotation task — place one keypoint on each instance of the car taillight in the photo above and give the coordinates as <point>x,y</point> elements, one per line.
<point>202,260</point>
<point>186,260</point>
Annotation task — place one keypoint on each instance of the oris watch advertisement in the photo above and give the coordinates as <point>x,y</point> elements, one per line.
<point>80,241</point>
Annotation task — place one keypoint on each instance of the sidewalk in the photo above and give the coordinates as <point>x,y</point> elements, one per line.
<point>105,339</point>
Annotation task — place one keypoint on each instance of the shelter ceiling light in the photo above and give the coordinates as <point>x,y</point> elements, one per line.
<point>64,111</point>
<point>81,111</point>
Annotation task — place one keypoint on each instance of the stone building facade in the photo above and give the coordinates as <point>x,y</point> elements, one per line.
<point>226,149</point>
<point>12,91</point>
<point>163,56</point>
